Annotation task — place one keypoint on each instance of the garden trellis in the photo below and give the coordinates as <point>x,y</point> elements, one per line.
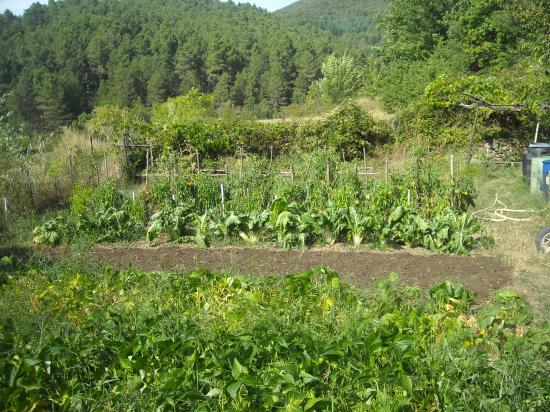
<point>477,103</point>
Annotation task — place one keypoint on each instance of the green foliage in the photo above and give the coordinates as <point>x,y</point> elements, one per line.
<point>434,51</point>
<point>350,17</point>
<point>350,130</point>
<point>51,233</point>
<point>204,341</point>
<point>414,29</point>
<point>416,208</point>
<point>342,79</point>
<point>98,215</point>
<point>488,30</point>
<point>156,50</point>
<point>80,200</point>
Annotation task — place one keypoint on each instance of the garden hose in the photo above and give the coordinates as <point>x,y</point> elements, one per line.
<point>498,208</point>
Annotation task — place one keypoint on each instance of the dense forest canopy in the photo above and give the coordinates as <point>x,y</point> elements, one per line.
<point>64,58</point>
<point>354,21</point>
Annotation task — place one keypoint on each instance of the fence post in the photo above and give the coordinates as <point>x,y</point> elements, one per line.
<point>5,202</point>
<point>126,155</point>
<point>452,167</point>
<point>223,200</point>
<point>386,169</point>
<point>133,196</point>
<point>409,197</point>
<point>147,167</point>
<point>242,161</point>
<point>270,157</point>
<point>328,172</point>
<point>365,164</point>
<point>70,159</point>
<point>474,129</point>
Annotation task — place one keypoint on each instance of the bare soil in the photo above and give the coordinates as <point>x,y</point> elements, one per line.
<point>480,274</point>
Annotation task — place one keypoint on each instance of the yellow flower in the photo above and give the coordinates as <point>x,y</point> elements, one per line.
<point>329,302</point>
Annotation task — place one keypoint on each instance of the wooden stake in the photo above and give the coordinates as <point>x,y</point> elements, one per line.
<point>92,146</point>
<point>365,165</point>
<point>147,167</point>
<point>452,167</point>
<point>474,128</point>
<point>328,173</point>
<point>198,162</point>
<point>106,169</point>
<point>5,202</point>
<point>242,161</point>
<point>270,156</point>
<point>126,137</point>
<point>223,200</point>
<point>70,159</point>
<point>386,169</point>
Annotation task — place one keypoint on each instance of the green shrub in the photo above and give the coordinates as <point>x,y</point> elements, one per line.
<point>80,199</point>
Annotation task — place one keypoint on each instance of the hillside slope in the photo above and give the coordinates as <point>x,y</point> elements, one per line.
<point>64,58</point>
<point>340,18</point>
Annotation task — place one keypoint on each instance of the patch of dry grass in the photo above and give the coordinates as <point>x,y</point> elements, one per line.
<point>514,241</point>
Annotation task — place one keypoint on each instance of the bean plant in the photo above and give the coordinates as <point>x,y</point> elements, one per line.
<point>78,339</point>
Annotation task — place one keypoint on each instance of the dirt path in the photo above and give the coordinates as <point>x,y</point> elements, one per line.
<point>481,274</point>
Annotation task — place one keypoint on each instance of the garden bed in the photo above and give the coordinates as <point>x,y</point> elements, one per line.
<point>478,273</point>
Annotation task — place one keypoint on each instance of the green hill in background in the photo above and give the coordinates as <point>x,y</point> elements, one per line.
<point>341,18</point>
<point>67,57</point>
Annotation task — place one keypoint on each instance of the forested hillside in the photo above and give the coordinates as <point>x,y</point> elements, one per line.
<point>354,21</point>
<point>65,58</point>
<point>69,57</point>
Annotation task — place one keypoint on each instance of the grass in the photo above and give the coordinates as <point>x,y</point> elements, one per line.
<point>514,241</point>
<point>95,339</point>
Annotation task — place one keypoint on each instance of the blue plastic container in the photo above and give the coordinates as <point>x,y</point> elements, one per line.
<point>545,178</point>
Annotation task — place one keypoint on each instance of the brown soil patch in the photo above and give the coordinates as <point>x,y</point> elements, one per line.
<point>480,274</point>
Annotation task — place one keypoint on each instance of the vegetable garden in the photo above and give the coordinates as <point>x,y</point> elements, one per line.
<point>325,202</point>
<point>74,339</point>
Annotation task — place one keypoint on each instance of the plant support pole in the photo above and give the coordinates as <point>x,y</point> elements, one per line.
<point>474,128</point>
<point>365,165</point>
<point>223,200</point>
<point>147,167</point>
<point>452,167</point>
<point>242,161</point>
